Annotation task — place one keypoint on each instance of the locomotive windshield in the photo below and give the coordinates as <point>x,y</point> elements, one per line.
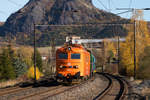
<point>63,56</point>
<point>75,56</point>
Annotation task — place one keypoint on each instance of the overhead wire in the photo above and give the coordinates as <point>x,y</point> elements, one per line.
<point>130,4</point>
<point>103,4</point>
<point>109,5</point>
<point>13,2</point>
<point>113,4</point>
<point>2,12</point>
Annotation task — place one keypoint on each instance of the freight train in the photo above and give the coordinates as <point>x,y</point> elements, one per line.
<point>74,63</point>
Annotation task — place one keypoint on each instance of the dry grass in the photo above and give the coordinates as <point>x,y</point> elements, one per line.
<point>45,50</point>
<point>10,83</point>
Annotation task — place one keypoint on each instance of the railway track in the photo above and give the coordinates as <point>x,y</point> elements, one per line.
<point>13,90</point>
<point>39,94</point>
<point>115,90</point>
<point>54,91</point>
<point>18,93</point>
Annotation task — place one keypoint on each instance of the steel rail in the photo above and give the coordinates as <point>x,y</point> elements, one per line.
<point>72,87</point>
<point>122,90</point>
<point>53,92</point>
<point>13,90</point>
<point>39,93</point>
<point>106,90</point>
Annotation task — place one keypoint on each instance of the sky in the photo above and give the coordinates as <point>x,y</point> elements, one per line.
<point>7,7</point>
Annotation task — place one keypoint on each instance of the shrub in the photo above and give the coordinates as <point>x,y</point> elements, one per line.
<point>30,73</point>
<point>144,65</point>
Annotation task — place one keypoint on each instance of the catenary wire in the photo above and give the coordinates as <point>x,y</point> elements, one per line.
<point>15,3</point>
<point>103,4</point>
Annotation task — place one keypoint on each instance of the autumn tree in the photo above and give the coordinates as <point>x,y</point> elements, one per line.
<point>144,63</point>
<point>52,55</point>
<point>38,59</point>
<point>142,40</point>
<point>25,54</point>
<point>110,49</point>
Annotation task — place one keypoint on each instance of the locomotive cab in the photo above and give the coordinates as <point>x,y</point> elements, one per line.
<point>72,62</point>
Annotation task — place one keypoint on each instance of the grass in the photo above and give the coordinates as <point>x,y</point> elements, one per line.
<point>10,83</point>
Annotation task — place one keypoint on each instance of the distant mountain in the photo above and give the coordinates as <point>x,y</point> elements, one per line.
<point>57,12</point>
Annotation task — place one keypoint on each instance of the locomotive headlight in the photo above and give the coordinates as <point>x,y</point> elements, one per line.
<point>76,67</point>
<point>69,48</point>
<point>60,66</point>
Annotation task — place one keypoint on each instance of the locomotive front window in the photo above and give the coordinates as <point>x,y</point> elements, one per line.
<point>75,56</point>
<point>63,56</point>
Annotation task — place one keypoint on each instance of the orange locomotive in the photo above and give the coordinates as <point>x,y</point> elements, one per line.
<point>73,62</point>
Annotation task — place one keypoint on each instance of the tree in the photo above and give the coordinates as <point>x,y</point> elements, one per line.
<point>38,59</point>
<point>25,54</point>
<point>30,73</point>
<point>6,67</point>
<point>52,56</point>
<point>110,50</point>
<point>142,41</point>
<point>20,67</point>
<point>144,63</point>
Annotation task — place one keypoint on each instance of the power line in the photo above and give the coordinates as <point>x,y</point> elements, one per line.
<point>13,2</point>
<point>109,5</point>
<point>130,3</point>
<point>2,12</point>
<point>113,4</point>
<point>102,4</point>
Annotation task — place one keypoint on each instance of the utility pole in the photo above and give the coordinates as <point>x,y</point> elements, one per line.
<point>134,49</point>
<point>34,54</point>
<point>118,47</point>
<point>104,56</point>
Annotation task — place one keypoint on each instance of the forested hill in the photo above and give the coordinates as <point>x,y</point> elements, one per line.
<point>20,24</point>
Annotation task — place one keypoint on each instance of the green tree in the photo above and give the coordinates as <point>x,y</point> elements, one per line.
<point>38,59</point>
<point>20,67</point>
<point>6,67</point>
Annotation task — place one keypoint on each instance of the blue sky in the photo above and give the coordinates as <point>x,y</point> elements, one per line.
<point>10,6</point>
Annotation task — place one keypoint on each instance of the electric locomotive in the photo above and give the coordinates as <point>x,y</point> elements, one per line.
<point>74,62</point>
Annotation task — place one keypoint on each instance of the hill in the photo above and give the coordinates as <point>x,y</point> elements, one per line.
<point>20,24</point>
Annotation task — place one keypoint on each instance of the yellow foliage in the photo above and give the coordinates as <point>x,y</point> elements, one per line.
<point>26,54</point>
<point>30,73</point>
<point>110,46</point>
<point>142,40</point>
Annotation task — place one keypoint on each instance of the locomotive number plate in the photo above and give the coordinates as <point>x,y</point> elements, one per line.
<point>68,69</point>
<point>69,64</point>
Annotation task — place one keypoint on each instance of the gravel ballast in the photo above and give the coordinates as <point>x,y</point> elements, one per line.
<point>88,91</point>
